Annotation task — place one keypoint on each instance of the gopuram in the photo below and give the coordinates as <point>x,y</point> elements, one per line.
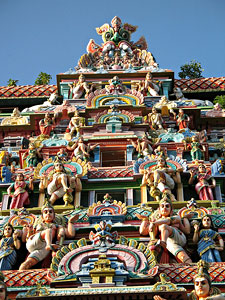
<point>112,183</point>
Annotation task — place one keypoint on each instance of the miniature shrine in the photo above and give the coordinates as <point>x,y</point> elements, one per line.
<point>112,182</point>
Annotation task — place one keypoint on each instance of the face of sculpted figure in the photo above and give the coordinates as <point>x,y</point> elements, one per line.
<point>161,162</point>
<point>58,167</point>
<point>8,231</point>
<point>165,209</point>
<point>202,287</point>
<point>48,215</point>
<point>2,292</point>
<point>206,222</point>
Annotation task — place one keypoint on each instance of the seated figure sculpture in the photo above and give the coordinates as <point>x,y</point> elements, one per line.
<point>169,228</point>
<point>160,179</point>
<point>148,86</point>
<point>60,184</point>
<point>77,89</point>
<point>41,239</point>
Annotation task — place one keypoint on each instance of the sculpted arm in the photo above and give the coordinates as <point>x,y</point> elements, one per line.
<point>70,231</point>
<point>185,226</point>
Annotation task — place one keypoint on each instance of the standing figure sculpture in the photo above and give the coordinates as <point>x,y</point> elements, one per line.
<point>8,243</point>
<point>20,197</point>
<point>182,119</point>
<point>80,150</point>
<point>75,123</point>
<point>169,229</point>
<point>205,182</point>
<point>46,125</point>
<point>77,89</point>
<point>60,184</point>
<point>41,239</point>
<point>205,235</point>
<point>160,179</point>
<point>155,119</point>
<point>195,148</point>
<point>143,146</point>
<point>31,155</point>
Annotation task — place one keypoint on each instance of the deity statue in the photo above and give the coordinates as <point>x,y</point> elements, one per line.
<point>161,179</point>
<point>203,287</point>
<point>31,155</point>
<point>60,184</point>
<point>46,125</point>
<point>8,243</point>
<point>155,119</point>
<point>143,146</point>
<point>75,123</point>
<point>205,182</point>
<point>182,119</point>
<point>40,238</point>
<point>77,89</point>
<point>195,148</point>
<point>169,229</point>
<point>148,86</point>
<point>20,197</point>
<point>80,150</point>
<point>61,155</point>
<point>206,236</point>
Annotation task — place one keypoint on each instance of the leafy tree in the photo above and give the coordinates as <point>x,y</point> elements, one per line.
<point>43,78</point>
<point>12,82</point>
<point>191,70</point>
<point>220,100</point>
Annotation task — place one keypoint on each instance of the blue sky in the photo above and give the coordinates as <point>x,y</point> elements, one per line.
<point>50,35</point>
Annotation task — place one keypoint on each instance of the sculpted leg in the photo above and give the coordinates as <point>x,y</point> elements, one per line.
<point>166,231</point>
<point>29,262</point>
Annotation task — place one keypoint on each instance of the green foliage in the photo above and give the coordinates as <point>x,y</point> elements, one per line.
<point>12,82</point>
<point>43,78</point>
<point>220,100</point>
<point>191,70</point>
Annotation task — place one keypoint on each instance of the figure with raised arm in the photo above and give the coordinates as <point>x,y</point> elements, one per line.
<point>41,239</point>
<point>182,119</point>
<point>20,197</point>
<point>80,150</point>
<point>8,243</point>
<point>77,89</point>
<point>205,182</point>
<point>195,148</point>
<point>168,228</point>
<point>143,146</point>
<point>160,179</point>
<point>148,86</point>
<point>60,184</point>
<point>31,155</point>
<point>46,125</point>
<point>155,119</point>
<point>206,236</point>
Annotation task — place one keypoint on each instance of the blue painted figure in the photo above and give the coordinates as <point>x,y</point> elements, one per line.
<point>206,236</point>
<point>8,243</point>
